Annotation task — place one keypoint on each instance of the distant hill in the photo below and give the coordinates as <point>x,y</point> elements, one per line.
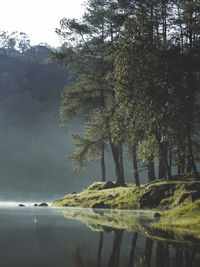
<point>29,73</point>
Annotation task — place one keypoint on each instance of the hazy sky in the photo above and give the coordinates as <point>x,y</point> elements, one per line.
<point>38,18</point>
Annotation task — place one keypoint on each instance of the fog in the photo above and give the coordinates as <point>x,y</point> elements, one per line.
<point>33,146</point>
<point>34,149</point>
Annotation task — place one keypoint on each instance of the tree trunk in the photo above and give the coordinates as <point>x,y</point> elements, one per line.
<point>151,22</point>
<point>179,170</point>
<point>165,161</point>
<point>191,154</point>
<point>189,163</point>
<point>161,167</point>
<point>157,24</point>
<point>170,161</point>
<point>164,20</point>
<point>135,167</point>
<point>115,153</point>
<point>181,161</point>
<point>150,168</point>
<point>163,154</point>
<point>103,168</point>
<point>180,25</point>
<point>121,160</point>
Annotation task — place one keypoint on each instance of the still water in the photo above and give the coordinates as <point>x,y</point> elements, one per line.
<point>47,237</point>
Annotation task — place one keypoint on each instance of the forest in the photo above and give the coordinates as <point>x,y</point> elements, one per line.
<point>135,78</point>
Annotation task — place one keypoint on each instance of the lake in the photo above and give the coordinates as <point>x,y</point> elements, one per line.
<point>67,237</point>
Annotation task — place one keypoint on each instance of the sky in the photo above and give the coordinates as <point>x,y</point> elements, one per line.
<point>38,18</point>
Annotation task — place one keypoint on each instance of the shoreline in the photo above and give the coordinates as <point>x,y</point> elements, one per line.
<point>176,203</point>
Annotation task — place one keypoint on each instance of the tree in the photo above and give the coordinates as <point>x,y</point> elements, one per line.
<point>137,86</point>
<point>136,64</point>
<point>88,46</point>
<point>90,146</point>
<point>14,43</point>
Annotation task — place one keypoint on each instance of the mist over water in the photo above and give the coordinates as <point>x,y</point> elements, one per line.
<point>13,204</point>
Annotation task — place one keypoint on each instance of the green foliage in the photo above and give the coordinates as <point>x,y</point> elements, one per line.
<point>89,147</point>
<point>137,63</point>
<point>88,52</point>
<point>146,147</point>
<point>14,43</point>
<point>154,90</point>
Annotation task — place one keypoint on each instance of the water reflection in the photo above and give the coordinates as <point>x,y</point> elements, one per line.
<point>133,247</point>
<point>142,248</point>
<point>152,254</point>
<point>100,249</point>
<point>80,259</point>
<point>117,242</point>
<point>44,237</point>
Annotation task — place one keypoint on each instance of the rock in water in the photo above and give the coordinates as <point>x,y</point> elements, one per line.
<point>43,205</point>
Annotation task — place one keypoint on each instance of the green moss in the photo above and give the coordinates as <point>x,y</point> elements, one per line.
<point>185,217</point>
<point>119,197</point>
<point>173,197</point>
<point>160,194</point>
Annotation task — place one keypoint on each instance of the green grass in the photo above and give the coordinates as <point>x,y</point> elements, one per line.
<point>173,199</point>
<point>158,195</point>
<point>120,197</point>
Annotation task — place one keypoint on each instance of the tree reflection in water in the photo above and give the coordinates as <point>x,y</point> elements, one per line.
<point>117,241</point>
<point>133,247</point>
<point>80,259</point>
<point>152,254</point>
<point>162,254</point>
<point>100,249</point>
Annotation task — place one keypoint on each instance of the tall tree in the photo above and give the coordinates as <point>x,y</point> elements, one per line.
<point>136,64</point>
<point>87,49</point>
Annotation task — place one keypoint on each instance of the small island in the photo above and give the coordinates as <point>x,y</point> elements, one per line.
<point>176,203</point>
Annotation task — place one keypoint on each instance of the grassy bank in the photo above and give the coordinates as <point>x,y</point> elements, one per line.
<point>157,195</point>
<point>184,218</point>
<point>177,201</point>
